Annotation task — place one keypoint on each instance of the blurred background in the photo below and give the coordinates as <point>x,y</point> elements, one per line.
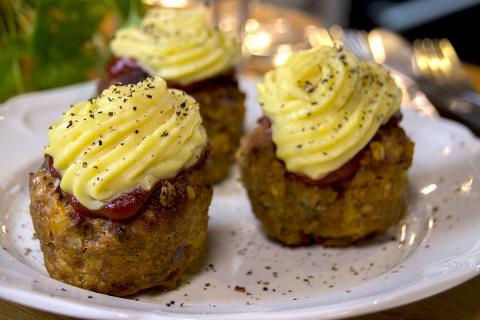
<point>51,43</point>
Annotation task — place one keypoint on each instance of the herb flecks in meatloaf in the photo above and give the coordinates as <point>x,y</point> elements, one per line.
<point>296,213</point>
<point>122,257</point>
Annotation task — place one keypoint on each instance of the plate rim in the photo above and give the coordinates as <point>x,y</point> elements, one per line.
<point>42,301</point>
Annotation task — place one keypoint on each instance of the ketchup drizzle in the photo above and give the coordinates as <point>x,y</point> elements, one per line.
<point>128,71</point>
<point>127,204</point>
<point>343,174</point>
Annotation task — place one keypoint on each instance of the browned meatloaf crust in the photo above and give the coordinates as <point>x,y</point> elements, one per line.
<point>221,106</point>
<point>296,213</point>
<point>122,257</point>
<point>222,109</point>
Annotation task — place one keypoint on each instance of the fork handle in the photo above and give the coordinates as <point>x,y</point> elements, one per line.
<point>472,97</point>
<point>467,116</point>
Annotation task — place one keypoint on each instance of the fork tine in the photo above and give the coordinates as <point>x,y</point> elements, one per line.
<point>348,42</point>
<point>420,59</point>
<point>425,48</point>
<point>428,60</point>
<point>336,33</point>
<point>452,70</point>
<point>358,43</point>
<point>449,52</point>
<point>362,37</point>
<point>458,74</point>
<point>318,36</point>
<point>439,65</point>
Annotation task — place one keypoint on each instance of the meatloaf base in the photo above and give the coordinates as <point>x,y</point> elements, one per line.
<point>294,212</point>
<point>154,248</point>
<point>222,109</point>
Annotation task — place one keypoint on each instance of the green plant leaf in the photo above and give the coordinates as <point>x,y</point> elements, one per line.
<point>51,43</point>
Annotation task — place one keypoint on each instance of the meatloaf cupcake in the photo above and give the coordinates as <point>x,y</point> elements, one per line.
<point>179,46</point>
<point>328,162</point>
<point>121,201</point>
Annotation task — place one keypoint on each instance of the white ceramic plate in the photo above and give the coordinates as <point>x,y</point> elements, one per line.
<point>436,247</point>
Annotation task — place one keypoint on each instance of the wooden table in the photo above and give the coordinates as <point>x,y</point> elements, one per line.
<point>462,302</point>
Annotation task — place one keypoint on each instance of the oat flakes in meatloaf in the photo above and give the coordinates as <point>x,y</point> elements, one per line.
<point>120,258</point>
<point>297,213</point>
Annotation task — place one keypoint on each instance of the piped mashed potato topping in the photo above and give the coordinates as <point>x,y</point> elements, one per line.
<point>130,136</point>
<point>325,106</point>
<point>177,45</point>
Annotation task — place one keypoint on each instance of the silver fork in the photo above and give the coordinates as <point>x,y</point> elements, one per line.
<point>450,93</point>
<point>437,61</point>
<point>440,74</point>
